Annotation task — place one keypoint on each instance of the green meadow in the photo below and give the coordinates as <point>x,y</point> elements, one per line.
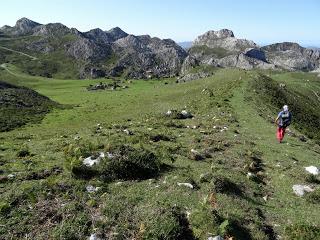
<point>230,135</point>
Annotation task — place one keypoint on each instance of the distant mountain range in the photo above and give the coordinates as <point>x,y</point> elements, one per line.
<point>99,53</point>
<point>186,45</point>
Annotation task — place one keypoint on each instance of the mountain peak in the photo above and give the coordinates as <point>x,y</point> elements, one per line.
<point>24,23</point>
<point>223,38</point>
<point>117,33</point>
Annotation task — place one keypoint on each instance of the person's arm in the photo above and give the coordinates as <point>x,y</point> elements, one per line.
<point>277,118</point>
<point>290,118</point>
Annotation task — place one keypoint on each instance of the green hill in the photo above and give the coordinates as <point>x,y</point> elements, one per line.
<point>20,105</point>
<point>164,176</point>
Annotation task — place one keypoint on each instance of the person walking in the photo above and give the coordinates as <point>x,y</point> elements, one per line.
<point>283,120</point>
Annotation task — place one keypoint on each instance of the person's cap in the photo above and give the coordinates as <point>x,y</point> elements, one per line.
<point>285,108</point>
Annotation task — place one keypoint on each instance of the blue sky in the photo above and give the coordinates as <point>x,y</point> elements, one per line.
<point>182,20</point>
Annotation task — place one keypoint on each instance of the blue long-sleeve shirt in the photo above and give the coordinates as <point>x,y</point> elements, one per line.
<point>284,118</point>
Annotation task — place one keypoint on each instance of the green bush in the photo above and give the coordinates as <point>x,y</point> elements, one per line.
<point>130,163</point>
<point>169,223</point>
<point>24,152</point>
<point>126,163</point>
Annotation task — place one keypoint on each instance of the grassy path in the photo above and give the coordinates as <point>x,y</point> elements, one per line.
<point>284,166</point>
<point>21,53</point>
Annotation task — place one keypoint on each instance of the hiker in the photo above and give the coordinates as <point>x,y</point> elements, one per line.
<point>283,120</point>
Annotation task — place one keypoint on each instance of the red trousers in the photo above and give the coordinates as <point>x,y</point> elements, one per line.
<point>280,133</point>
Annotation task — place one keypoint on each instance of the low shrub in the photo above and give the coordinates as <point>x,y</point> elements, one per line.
<point>169,223</point>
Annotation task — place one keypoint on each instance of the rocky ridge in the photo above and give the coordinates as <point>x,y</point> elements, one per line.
<point>103,53</point>
<point>100,53</point>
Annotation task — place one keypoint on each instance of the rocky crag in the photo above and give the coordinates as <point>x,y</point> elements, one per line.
<point>223,49</point>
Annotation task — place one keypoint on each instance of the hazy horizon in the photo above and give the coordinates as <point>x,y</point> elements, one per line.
<point>264,22</point>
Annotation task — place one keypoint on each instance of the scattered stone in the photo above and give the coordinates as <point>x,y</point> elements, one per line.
<point>94,236</point>
<point>169,113</point>
<point>300,190</point>
<point>44,173</point>
<point>194,76</point>
<point>92,189</point>
<point>215,238</point>
<point>195,155</point>
<point>302,138</point>
<point>265,198</point>
<point>313,170</point>
<point>10,176</point>
<point>189,185</point>
<point>77,138</point>
<point>250,175</point>
<point>186,114</point>
<point>90,161</point>
<point>128,132</point>
<point>178,115</point>
<point>205,177</point>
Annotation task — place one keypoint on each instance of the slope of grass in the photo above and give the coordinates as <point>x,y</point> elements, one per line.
<point>54,65</point>
<point>46,200</point>
<point>284,166</point>
<point>205,50</point>
<point>299,91</point>
<point>20,105</point>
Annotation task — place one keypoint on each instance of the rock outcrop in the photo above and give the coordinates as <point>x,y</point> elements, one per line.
<point>223,49</point>
<point>291,56</point>
<point>223,39</point>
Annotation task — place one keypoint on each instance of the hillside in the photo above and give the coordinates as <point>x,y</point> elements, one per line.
<point>163,174</point>
<point>20,105</point>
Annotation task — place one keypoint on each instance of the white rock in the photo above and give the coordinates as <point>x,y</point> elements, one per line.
<point>92,189</point>
<point>313,170</point>
<point>189,185</point>
<point>77,138</point>
<point>90,161</point>
<point>300,190</point>
<point>11,175</point>
<point>127,131</point>
<point>110,155</point>
<point>94,237</point>
<point>169,113</point>
<point>249,175</point>
<point>215,238</point>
